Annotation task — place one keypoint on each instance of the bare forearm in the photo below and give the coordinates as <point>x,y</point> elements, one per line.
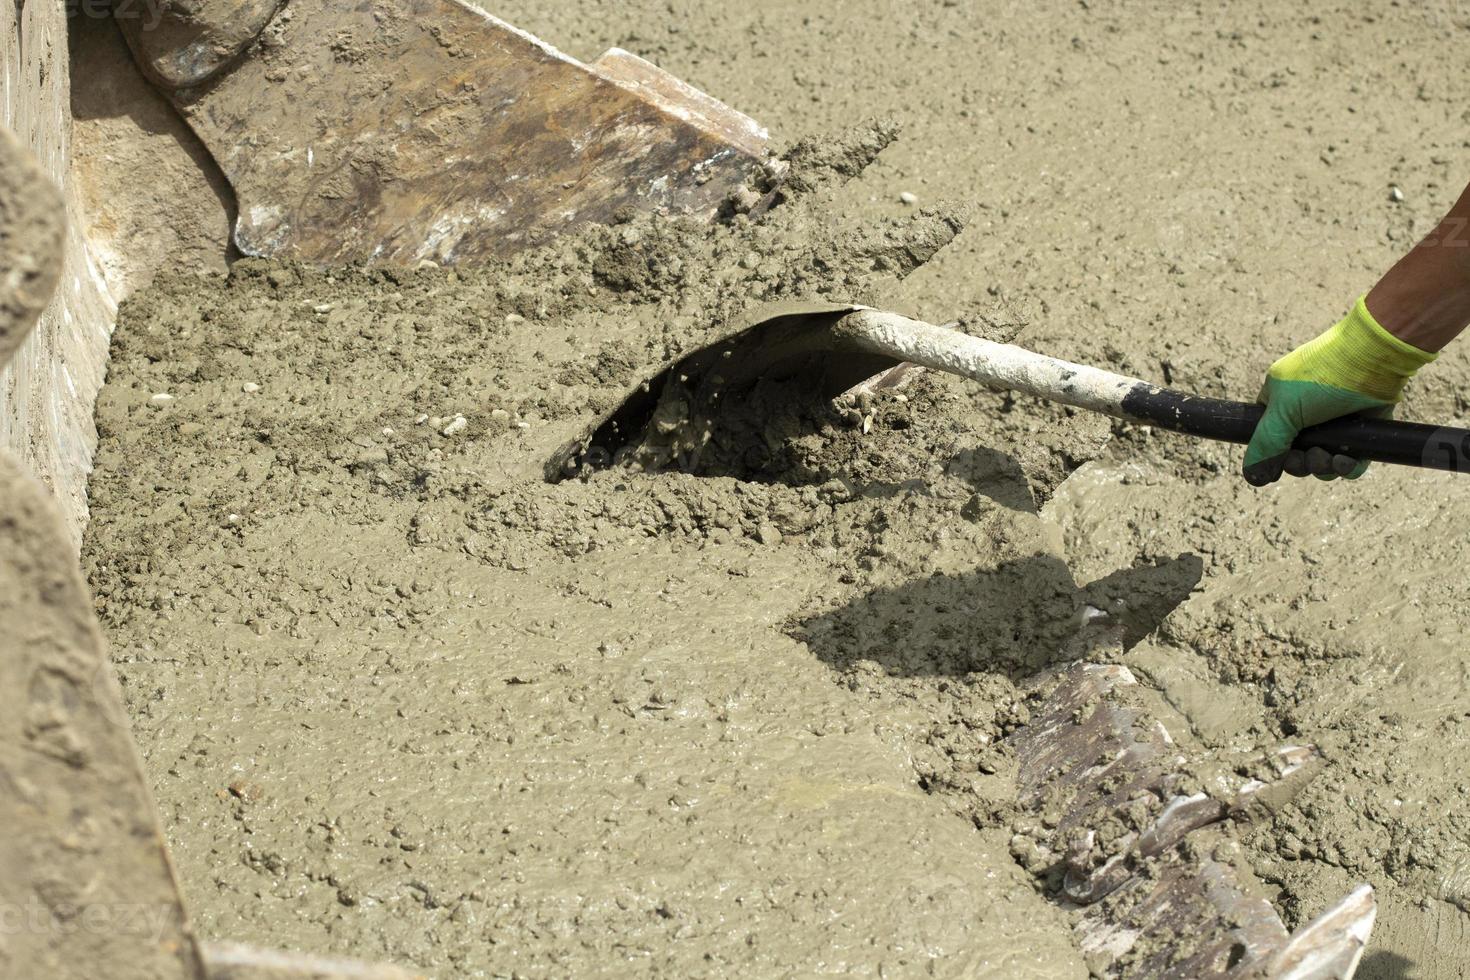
<point>1424,299</point>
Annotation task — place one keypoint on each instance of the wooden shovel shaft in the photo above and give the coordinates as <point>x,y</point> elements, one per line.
<point>1095,390</point>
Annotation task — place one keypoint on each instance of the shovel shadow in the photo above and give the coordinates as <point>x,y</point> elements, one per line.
<point>1017,618</point>
<point>1388,966</point>
<point>996,475</point>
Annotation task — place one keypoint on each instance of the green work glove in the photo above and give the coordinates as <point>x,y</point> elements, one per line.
<point>1357,367</point>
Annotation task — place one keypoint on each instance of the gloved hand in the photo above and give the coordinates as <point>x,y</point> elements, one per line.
<point>1356,367</point>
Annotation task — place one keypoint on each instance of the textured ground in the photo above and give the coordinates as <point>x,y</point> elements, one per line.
<point>1174,191</point>
<point>404,698</point>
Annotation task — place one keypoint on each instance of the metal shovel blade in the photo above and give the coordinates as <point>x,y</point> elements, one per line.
<point>776,341</point>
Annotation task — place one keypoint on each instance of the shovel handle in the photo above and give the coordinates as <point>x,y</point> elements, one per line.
<point>1017,369</point>
<point>1380,440</point>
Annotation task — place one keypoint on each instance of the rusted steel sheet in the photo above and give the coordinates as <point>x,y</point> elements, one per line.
<point>398,131</point>
<point>680,99</point>
<point>185,42</point>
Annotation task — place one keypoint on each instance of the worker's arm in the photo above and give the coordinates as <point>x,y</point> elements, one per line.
<point>1362,364</point>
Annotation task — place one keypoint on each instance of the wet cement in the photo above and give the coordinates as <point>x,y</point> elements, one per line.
<point>404,698</point>
<point>1184,194</point>
<point>411,700</point>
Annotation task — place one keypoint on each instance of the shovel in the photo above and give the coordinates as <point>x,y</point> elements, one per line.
<point>832,348</point>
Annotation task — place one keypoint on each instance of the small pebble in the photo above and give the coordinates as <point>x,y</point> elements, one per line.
<point>246,791</point>
<point>420,420</point>
<point>523,425</point>
<point>387,430</point>
<point>250,387</point>
<point>743,200</point>
<point>456,425</point>
<point>511,319</point>
<point>499,414</point>
<point>161,400</point>
<point>1395,193</point>
<point>768,535</point>
<point>909,197</point>
<point>324,307</point>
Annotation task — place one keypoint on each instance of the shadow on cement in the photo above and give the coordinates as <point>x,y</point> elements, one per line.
<point>1016,618</point>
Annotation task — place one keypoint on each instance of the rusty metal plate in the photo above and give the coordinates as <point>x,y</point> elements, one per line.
<point>395,131</point>
<point>185,42</point>
<point>683,100</point>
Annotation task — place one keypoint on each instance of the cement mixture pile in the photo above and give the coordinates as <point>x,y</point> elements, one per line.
<point>400,697</point>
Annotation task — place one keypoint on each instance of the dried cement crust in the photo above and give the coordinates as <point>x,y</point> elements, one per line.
<point>84,875</point>
<point>82,859</point>
<point>32,226</point>
<point>47,389</point>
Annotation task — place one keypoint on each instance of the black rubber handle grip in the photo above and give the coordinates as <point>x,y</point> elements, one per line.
<point>1380,440</point>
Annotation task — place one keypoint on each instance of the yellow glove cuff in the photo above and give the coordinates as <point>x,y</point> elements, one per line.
<point>1356,355</point>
